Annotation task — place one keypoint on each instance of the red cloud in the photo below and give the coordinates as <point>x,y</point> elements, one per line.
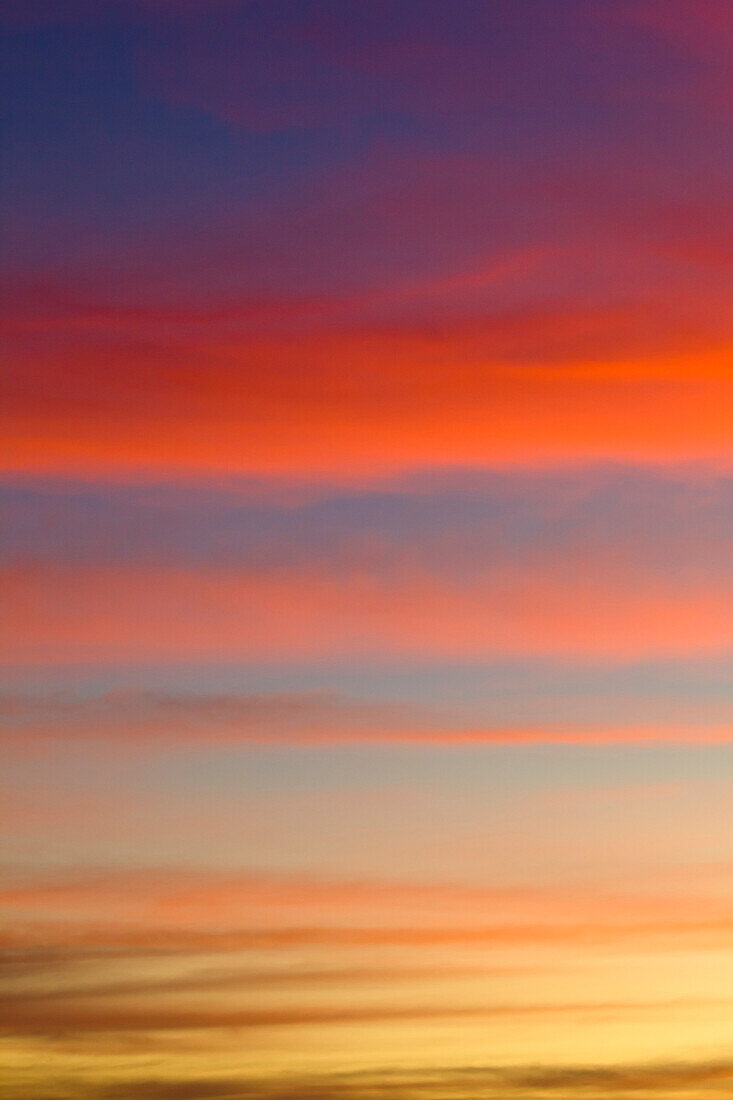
<point>369,400</point>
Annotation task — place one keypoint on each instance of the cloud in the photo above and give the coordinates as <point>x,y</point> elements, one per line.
<point>148,717</point>
<point>628,521</point>
<point>150,720</point>
<point>66,615</point>
<point>169,910</point>
<point>451,392</point>
<point>64,963</point>
<point>175,897</point>
<point>33,1015</point>
<point>448,1083</point>
<point>659,935</point>
<point>337,69</point>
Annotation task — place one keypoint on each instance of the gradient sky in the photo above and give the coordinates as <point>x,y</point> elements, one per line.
<point>366,433</point>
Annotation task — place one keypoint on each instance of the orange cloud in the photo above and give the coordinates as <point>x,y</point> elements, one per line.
<point>526,386</point>
<point>621,1080</point>
<point>63,615</point>
<point>657,935</point>
<point>34,1015</point>
<point>200,911</point>
<point>178,895</point>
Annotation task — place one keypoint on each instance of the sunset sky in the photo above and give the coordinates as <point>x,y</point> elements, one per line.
<point>366,428</point>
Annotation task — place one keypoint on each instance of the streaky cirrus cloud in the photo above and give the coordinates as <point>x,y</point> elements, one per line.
<point>416,63</point>
<point>676,522</point>
<point>449,1083</point>
<point>440,400</point>
<point>66,615</point>
<point>155,720</point>
<point>690,1079</point>
<point>35,1016</point>
<point>187,895</point>
<point>656,935</point>
<point>189,911</point>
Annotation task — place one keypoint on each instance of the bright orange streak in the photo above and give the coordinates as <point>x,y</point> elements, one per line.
<point>340,402</point>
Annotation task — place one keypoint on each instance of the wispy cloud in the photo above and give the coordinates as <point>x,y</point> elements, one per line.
<point>154,720</point>
<point>65,614</point>
<point>622,1080</point>
<point>30,1015</point>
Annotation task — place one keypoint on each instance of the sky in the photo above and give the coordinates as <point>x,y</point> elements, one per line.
<point>366,453</point>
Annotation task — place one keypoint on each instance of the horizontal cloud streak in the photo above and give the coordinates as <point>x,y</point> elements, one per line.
<point>457,1084</point>
<point>73,615</point>
<point>36,1016</point>
<point>642,520</point>
<point>655,936</point>
<point>704,1078</point>
<point>190,911</point>
<point>149,719</point>
<point>295,404</point>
